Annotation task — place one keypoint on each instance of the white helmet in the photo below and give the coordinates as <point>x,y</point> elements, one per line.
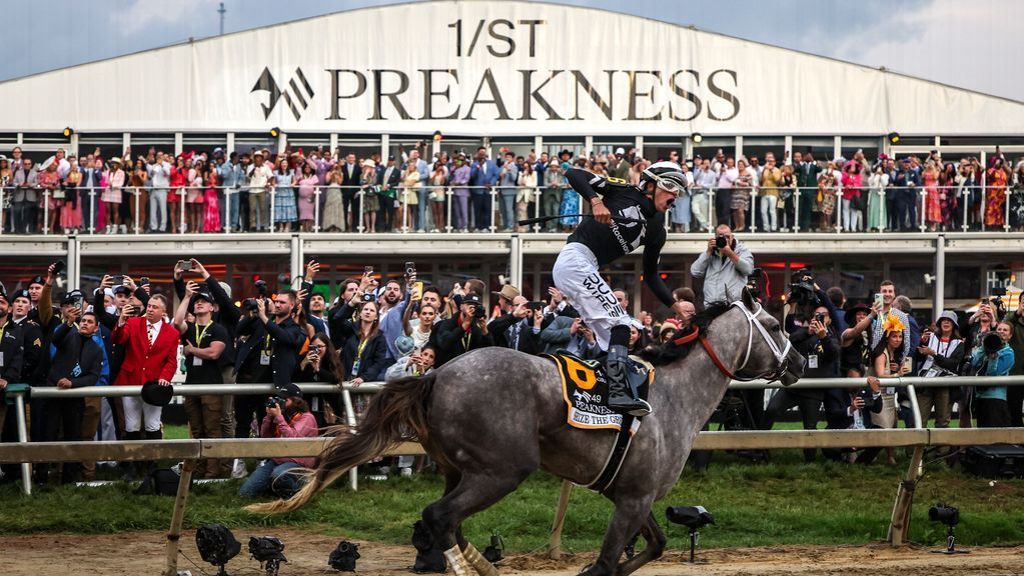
<point>666,175</point>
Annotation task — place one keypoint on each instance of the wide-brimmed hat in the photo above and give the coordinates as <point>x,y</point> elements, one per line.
<point>507,291</point>
<point>369,163</point>
<point>116,160</point>
<point>850,315</point>
<point>156,395</point>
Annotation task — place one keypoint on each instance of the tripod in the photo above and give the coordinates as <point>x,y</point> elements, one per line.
<point>950,544</point>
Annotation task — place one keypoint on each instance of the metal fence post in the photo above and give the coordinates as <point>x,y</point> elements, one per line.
<point>138,193</point>
<point>966,199</point>
<point>753,209</point>
<point>92,210</point>
<point>924,204</point>
<point>1006,206</point>
<point>450,194</point>
<point>316,208</point>
<point>361,195</point>
<point>46,211</point>
<point>796,210</point>
<point>839,212</point>
<point>536,209</point>
<point>182,195</point>
<point>711,209</point>
<point>26,469</point>
<point>178,516</point>
<point>350,419</point>
<point>273,195</point>
<point>227,224</point>
<point>494,197</point>
<point>3,222</point>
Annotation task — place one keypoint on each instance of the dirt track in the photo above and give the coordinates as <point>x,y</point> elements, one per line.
<point>143,553</point>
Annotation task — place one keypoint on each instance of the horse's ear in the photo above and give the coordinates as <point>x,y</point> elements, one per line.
<point>748,300</point>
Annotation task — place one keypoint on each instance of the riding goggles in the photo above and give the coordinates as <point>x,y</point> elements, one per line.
<point>670,186</point>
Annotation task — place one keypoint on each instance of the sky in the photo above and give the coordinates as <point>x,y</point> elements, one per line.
<point>968,43</point>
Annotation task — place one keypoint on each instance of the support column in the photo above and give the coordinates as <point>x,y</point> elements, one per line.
<point>385,147</point>
<point>639,145</point>
<point>515,261</point>
<point>74,263</point>
<point>588,145</point>
<point>296,256</point>
<point>230,144</point>
<point>739,147</point>
<point>939,299</point>
<point>332,146</point>
<point>73,145</point>
<point>687,148</point>
<point>178,145</point>
<point>538,147</point>
<point>282,142</point>
<point>787,155</point>
<point>126,142</point>
<point>837,147</point>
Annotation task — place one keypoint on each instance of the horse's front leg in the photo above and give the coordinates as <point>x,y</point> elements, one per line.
<point>630,514</point>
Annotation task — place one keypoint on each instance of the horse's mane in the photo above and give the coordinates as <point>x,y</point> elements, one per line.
<point>669,352</point>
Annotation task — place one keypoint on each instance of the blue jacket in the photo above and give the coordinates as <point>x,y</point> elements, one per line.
<point>1000,367</point>
<point>488,176</point>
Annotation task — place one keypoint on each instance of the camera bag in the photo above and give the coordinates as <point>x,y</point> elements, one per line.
<point>995,461</point>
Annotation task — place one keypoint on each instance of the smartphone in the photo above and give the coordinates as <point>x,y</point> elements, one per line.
<point>368,270</point>
<point>410,269</point>
<point>535,305</point>
<point>117,279</point>
<point>417,291</point>
<point>878,299</point>
<point>144,281</point>
<point>908,363</point>
<point>186,265</point>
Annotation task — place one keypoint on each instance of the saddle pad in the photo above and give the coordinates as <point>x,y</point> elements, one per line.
<point>585,391</point>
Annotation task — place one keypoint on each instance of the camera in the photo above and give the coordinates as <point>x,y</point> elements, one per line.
<point>819,317</point>
<point>274,402</point>
<point>948,515</point>
<point>479,312</point>
<point>261,288</point>
<point>367,297</point>
<point>367,270</point>
<point>991,342</point>
<point>801,291</point>
<point>186,265</point>
<point>144,281</point>
<point>720,241</point>
<point>866,396</point>
<point>535,306</point>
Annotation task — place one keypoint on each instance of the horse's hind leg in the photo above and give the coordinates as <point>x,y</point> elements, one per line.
<point>629,516</point>
<point>655,539</point>
<point>474,492</point>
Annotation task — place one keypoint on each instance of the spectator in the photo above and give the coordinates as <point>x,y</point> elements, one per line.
<point>888,359</point>
<point>210,209</point>
<point>364,352</point>
<point>77,363</point>
<point>704,181</point>
<point>483,177</point>
<point>261,179</point>
<point>204,341</point>
<point>995,193</point>
<point>138,196</point>
<point>817,341</point>
<point>11,351</point>
<point>333,217</point>
<point>307,183</point>
<point>421,327</point>
<point>283,337</point>
<point>25,199</point>
<point>887,290</point>
<point>907,183</point>
<point>853,408</point>
<point>463,332</point>
<point>525,194</point>
<point>571,204</point>
<point>288,418</point>
<point>744,182</point>
<point>460,193</point>
<point>322,364</point>
<point>807,171</point>
<point>285,212</point>
<point>1015,394</point>
<point>112,194</point>
<point>727,175</point>
<point>179,182</point>
<point>826,199</point>
<point>518,328</point>
<point>71,213</point>
<point>350,175</point>
<point>368,188</point>
<point>150,354</point>
<point>409,197</point>
<point>49,197</point>
<point>771,177</point>
<point>416,363</point>
<point>940,354</point>
<point>855,341</point>
<point>724,270</point>
<point>229,174</point>
<point>436,198</point>
<point>994,357</point>
<point>852,206</point>
<point>878,183</point>
<point>551,197</point>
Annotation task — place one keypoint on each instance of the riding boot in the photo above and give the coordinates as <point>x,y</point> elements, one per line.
<point>621,397</point>
<point>150,465</point>
<point>131,472</point>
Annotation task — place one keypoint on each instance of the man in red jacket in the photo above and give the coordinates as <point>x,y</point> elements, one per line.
<point>150,353</point>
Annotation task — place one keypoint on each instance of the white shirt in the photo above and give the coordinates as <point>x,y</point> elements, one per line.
<point>156,329</point>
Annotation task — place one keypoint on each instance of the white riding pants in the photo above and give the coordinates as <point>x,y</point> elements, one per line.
<point>576,275</point>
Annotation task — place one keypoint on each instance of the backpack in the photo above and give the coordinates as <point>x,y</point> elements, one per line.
<point>162,481</point>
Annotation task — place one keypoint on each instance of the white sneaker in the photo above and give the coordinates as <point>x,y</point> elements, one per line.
<point>405,471</point>
<point>124,229</point>
<point>238,469</point>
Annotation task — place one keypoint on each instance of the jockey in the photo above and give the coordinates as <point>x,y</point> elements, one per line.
<point>625,217</point>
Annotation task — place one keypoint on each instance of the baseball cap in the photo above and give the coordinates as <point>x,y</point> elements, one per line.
<point>289,390</point>
<point>203,295</point>
<point>72,297</point>
<point>471,298</point>
<point>620,151</point>
<point>122,289</point>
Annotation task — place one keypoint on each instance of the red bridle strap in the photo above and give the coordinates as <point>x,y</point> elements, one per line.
<point>714,358</point>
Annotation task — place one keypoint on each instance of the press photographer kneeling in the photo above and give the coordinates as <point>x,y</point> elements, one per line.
<point>287,416</point>
<point>850,409</point>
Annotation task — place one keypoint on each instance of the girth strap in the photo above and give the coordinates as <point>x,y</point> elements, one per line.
<point>615,458</point>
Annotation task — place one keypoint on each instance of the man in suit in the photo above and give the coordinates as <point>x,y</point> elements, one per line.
<point>390,178</point>
<point>350,173</point>
<point>150,354</point>
<point>807,183</point>
<point>482,177</point>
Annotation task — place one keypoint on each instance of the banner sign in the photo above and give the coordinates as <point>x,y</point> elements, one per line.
<point>491,68</point>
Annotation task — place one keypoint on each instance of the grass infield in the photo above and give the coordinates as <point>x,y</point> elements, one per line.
<point>783,502</point>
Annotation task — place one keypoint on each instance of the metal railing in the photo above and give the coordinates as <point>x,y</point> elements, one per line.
<point>484,208</point>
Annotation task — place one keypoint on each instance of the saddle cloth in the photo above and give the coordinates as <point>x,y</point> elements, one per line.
<point>585,391</point>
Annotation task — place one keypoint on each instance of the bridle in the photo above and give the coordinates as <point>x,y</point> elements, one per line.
<point>781,355</point>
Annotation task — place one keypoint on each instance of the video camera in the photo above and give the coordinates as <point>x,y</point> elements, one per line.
<point>801,290</point>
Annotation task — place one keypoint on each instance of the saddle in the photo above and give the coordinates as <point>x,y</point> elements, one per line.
<point>585,390</point>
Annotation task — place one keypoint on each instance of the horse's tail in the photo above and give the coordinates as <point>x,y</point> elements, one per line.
<point>398,412</point>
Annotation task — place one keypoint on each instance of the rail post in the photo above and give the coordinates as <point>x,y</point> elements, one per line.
<point>178,517</point>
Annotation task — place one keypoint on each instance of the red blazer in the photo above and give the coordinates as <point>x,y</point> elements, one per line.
<point>142,362</point>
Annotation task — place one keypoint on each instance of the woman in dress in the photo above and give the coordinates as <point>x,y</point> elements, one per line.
<point>178,179</point>
<point>111,197</point>
<point>138,197</point>
<point>284,199</point>
<point>194,197</point>
<point>308,183</point>
<point>887,361</point>
<point>211,203</point>
<point>409,195</point>
<point>932,207</point>
<point>71,213</point>
<point>995,194</point>
<point>334,205</point>
<point>741,195</point>
<point>371,198</point>
<point>826,198</point>
<point>437,196</point>
<point>948,203</point>
<point>877,182</point>
<point>525,194</point>
<point>852,216</point>
<point>1017,197</point>
<point>49,181</point>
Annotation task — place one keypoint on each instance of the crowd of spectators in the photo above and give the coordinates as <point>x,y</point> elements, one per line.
<point>128,332</point>
<point>317,190</point>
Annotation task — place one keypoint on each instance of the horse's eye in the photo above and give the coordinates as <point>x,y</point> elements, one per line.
<point>775,328</point>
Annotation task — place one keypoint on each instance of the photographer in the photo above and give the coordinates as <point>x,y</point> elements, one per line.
<point>519,328</point>
<point>724,267</point>
<point>851,409</point>
<point>993,357</point>
<point>204,342</point>
<point>287,416</point>
<point>572,335</point>
<point>939,354</point>
<point>463,332</point>
<point>817,341</point>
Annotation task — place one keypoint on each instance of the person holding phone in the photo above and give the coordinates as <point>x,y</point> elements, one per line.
<point>519,328</point>
<point>888,359</point>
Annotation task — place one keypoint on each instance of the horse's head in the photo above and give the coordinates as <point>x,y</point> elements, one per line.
<point>769,353</point>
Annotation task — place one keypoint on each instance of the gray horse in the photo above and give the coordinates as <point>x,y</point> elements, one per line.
<point>492,417</point>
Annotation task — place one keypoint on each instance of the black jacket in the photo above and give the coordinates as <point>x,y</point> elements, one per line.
<point>284,341</point>
<point>826,351</point>
<point>528,341</point>
<point>12,350</point>
<point>35,346</point>
<point>452,340</point>
<point>837,403</point>
<point>373,358</point>
<point>78,358</point>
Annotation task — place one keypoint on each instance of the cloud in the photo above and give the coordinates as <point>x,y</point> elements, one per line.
<point>141,15</point>
<point>970,45</point>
